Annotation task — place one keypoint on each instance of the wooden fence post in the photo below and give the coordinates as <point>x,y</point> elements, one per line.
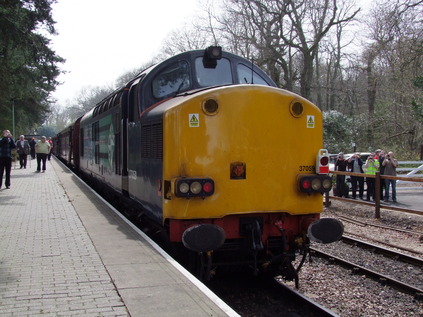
<point>377,195</point>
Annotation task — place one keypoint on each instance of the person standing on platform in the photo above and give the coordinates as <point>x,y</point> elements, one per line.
<point>355,165</point>
<point>42,148</point>
<point>6,145</point>
<point>32,145</point>
<point>381,158</point>
<point>372,167</point>
<point>23,148</point>
<point>391,165</point>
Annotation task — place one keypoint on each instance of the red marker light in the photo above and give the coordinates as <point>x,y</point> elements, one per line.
<point>208,187</point>
<point>306,183</point>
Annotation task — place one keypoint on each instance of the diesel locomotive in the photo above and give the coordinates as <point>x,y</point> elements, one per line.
<point>222,162</point>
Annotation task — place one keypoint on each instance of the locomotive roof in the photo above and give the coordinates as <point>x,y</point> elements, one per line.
<point>188,71</point>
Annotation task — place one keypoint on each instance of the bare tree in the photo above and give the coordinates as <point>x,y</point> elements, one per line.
<point>331,65</point>
<point>393,59</point>
<point>283,35</point>
<point>58,118</point>
<point>199,33</point>
<point>253,29</point>
<point>86,100</point>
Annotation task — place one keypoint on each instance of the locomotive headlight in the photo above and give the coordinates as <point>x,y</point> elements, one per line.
<point>214,52</point>
<point>193,187</point>
<point>316,184</point>
<point>196,188</point>
<point>327,184</point>
<point>183,188</point>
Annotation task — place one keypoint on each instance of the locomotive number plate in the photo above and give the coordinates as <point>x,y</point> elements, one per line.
<point>307,168</point>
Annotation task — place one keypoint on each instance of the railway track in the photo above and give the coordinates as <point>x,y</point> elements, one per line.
<point>364,224</point>
<point>385,235</point>
<point>265,296</point>
<point>385,251</point>
<point>385,279</point>
<point>317,309</point>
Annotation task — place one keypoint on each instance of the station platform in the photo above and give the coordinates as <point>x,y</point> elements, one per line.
<point>64,251</point>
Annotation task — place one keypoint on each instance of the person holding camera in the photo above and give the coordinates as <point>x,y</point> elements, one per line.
<point>390,164</point>
<point>341,165</point>
<point>382,171</point>
<point>6,145</point>
<point>355,165</point>
<point>372,166</point>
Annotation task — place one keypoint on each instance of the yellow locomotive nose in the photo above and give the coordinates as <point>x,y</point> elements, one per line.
<point>253,142</point>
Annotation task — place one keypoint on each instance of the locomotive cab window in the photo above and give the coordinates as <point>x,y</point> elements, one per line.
<point>245,74</point>
<point>172,80</point>
<point>132,104</point>
<point>220,75</point>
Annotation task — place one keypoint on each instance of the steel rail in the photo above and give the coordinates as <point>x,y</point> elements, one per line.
<point>384,251</point>
<point>386,244</point>
<point>386,280</point>
<point>364,224</point>
<point>317,308</point>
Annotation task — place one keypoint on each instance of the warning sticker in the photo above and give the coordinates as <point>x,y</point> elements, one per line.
<point>194,120</point>
<point>310,121</point>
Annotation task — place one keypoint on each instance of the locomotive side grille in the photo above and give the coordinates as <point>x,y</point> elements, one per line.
<point>145,141</point>
<point>152,141</point>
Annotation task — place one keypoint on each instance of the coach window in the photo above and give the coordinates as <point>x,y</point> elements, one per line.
<point>96,141</point>
<point>220,75</point>
<point>248,76</point>
<point>172,80</point>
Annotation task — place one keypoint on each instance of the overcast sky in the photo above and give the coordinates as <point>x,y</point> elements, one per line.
<point>102,39</point>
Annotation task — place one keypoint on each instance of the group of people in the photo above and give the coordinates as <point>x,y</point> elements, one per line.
<point>378,161</point>
<point>40,150</point>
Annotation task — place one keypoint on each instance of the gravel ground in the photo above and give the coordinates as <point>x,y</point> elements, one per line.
<point>353,295</point>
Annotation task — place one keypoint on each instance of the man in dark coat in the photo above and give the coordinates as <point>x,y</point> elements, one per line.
<point>23,149</point>
<point>6,145</point>
<point>355,165</point>
<point>32,145</point>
